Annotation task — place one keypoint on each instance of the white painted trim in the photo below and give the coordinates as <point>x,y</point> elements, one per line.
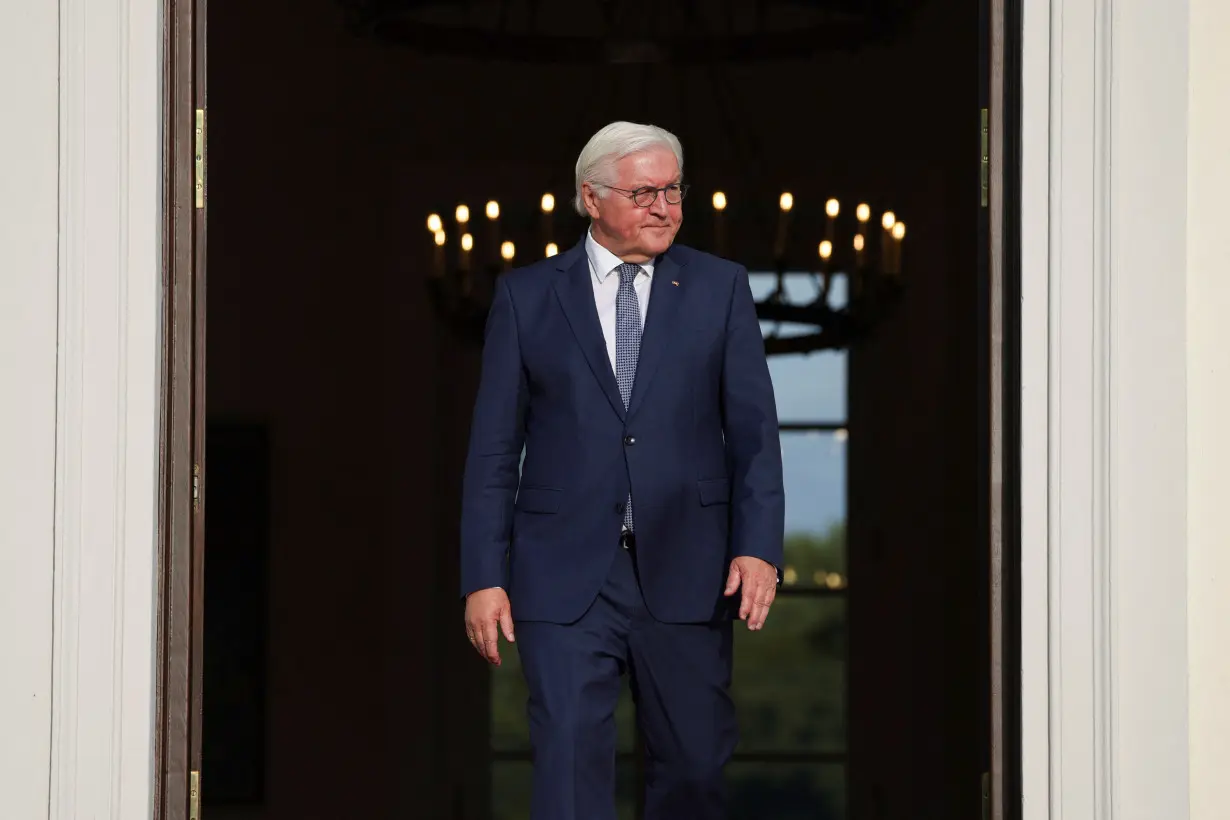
<point>1080,92</point>
<point>1035,408</point>
<point>29,225</point>
<point>107,420</point>
<point>1104,410</point>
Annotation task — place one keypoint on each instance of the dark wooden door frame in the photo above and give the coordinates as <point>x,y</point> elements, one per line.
<point>1002,785</point>
<point>177,743</point>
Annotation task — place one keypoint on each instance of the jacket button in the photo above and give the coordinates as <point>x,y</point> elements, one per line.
<point>629,440</point>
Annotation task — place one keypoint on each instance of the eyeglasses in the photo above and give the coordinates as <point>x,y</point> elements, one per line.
<point>645,197</point>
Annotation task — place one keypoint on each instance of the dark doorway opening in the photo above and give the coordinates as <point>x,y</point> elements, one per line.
<point>331,524</point>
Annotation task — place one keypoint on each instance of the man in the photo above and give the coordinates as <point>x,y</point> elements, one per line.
<point>649,505</point>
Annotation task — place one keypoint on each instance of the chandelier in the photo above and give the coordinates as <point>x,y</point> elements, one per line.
<point>471,251</point>
<point>627,47</point>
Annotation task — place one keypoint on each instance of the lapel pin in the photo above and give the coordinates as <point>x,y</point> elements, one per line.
<point>673,282</point>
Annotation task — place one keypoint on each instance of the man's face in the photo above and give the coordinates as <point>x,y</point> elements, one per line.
<point>633,233</point>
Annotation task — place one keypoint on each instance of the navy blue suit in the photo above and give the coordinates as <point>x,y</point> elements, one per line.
<point>698,449</point>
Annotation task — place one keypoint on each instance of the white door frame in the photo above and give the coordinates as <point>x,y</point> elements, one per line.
<point>1103,410</point>
<point>1104,628</point>
<point>107,409</point>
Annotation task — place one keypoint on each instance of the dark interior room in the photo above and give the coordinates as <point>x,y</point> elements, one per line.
<point>343,354</point>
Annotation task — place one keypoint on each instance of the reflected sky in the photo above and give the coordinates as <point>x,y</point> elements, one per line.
<point>814,466</point>
<point>809,388</point>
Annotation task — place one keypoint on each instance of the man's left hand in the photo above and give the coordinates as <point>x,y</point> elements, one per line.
<point>758,578</point>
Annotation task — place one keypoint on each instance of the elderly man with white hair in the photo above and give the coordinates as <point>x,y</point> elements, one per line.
<point>648,513</point>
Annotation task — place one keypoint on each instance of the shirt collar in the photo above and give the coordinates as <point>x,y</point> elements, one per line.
<point>602,262</point>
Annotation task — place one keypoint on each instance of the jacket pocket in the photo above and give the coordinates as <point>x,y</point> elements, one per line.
<point>714,491</point>
<point>538,500</point>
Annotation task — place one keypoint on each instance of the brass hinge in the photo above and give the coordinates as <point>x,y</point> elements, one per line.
<point>194,797</point>
<point>199,162</point>
<point>985,170</point>
<point>196,487</point>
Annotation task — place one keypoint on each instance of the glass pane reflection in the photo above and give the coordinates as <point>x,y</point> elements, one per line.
<point>807,387</point>
<point>803,791</point>
<point>511,790</point>
<point>814,470</point>
<point>810,388</point>
<point>789,678</point>
<point>800,286</point>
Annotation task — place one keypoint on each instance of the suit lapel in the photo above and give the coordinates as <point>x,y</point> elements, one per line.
<point>576,297</point>
<point>667,294</point>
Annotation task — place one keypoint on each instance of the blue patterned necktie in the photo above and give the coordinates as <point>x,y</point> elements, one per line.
<point>627,345</point>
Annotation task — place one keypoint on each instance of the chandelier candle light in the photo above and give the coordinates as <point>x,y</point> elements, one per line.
<point>863,212</point>
<point>548,207</point>
<point>873,279</point>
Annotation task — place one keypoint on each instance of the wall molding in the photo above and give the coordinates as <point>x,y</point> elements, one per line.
<point>1103,398</point>
<point>106,420</point>
<point>1080,414</point>
<point>1036,393</point>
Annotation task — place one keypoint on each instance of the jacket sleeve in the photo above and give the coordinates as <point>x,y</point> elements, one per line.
<point>497,435</point>
<point>753,444</point>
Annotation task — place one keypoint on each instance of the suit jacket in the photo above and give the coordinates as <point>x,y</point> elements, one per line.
<point>698,444</point>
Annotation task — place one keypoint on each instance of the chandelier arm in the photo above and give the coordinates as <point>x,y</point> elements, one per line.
<point>732,131</point>
<point>815,314</point>
<point>689,15</point>
<point>585,113</point>
<point>685,111</point>
<point>647,70</point>
<point>465,312</point>
<point>756,149</point>
<point>719,80</point>
<point>808,343</point>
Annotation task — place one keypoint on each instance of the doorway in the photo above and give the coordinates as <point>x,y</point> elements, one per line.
<point>334,680</point>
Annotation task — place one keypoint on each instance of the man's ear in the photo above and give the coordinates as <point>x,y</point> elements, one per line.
<point>589,196</point>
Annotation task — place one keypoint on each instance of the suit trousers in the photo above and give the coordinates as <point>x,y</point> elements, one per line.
<point>680,678</point>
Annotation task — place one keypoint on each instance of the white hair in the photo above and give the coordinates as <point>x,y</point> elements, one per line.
<point>596,163</point>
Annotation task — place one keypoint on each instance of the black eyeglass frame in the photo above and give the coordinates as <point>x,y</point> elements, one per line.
<point>637,194</point>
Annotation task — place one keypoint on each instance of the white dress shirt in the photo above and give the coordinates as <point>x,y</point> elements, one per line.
<point>605,279</point>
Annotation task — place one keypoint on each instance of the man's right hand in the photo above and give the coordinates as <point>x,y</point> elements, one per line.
<point>487,610</point>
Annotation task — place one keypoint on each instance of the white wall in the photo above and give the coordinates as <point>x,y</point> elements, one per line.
<point>1208,407</point>
<point>29,65</point>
